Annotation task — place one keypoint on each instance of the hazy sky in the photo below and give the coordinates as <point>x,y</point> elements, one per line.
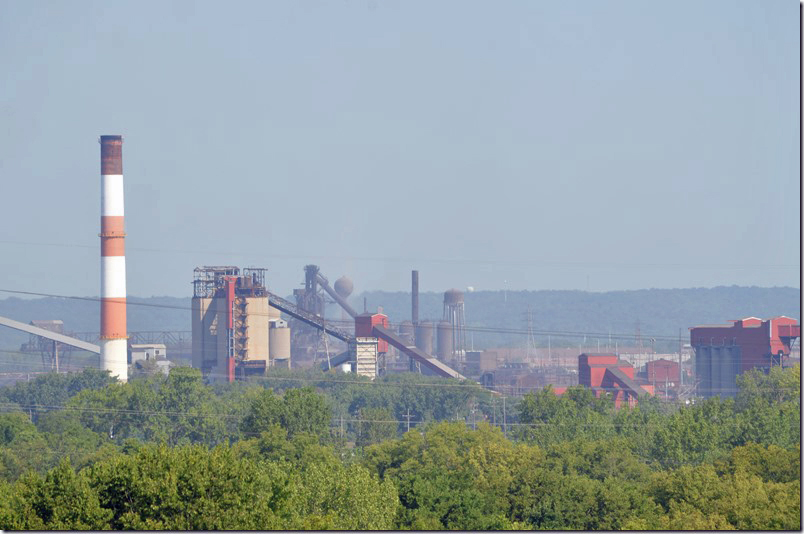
<point>520,144</point>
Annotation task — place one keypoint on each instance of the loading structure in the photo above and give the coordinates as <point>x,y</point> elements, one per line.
<point>375,328</point>
<point>230,322</point>
<point>230,307</point>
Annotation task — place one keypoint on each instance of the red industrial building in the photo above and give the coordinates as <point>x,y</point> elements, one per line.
<point>606,373</point>
<point>722,352</point>
<point>662,371</point>
<point>364,327</point>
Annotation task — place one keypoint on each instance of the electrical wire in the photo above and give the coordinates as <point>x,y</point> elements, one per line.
<point>336,322</point>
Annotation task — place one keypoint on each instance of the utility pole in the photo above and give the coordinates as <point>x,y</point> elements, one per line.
<point>407,417</point>
<point>505,428</point>
<point>680,359</point>
<point>529,323</point>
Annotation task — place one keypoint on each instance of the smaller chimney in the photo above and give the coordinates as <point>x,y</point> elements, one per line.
<point>414,313</point>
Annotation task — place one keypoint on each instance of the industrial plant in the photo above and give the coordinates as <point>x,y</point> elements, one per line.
<point>240,329</point>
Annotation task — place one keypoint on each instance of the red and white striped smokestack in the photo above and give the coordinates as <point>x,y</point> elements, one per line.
<point>114,338</point>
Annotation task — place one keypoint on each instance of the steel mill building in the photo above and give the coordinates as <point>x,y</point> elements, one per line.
<point>724,351</point>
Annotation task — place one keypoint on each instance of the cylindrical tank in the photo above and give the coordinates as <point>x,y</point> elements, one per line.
<point>279,342</point>
<point>444,340</point>
<point>453,296</point>
<point>424,337</point>
<point>406,331</point>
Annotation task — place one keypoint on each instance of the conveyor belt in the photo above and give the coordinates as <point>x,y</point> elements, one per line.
<point>47,334</point>
<point>310,318</point>
<point>417,354</point>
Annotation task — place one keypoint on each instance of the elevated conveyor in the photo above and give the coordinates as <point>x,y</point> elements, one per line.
<point>343,357</point>
<point>309,318</point>
<point>323,282</point>
<point>417,354</point>
<point>47,334</point>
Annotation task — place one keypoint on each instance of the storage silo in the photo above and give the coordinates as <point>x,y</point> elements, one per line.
<point>406,331</point>
<point>424,337</point>
<point>445,346</point>
<point>279,341</point>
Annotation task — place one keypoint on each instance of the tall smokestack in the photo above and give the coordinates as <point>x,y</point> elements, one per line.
<point>114,344</point>
<point>414,313</point>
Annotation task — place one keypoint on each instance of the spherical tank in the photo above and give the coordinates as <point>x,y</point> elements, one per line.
<point>453,296</point>
<point>279,343</point>
<point>444,340</point>
<point>344,287</point>
<point>424,337</point>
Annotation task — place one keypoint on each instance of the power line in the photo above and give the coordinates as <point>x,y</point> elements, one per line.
<point>479,329</point>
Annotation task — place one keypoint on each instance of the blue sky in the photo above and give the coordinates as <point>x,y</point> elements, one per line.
<point>521,144</point>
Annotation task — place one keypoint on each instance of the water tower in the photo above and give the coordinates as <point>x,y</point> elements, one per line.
<point>454,314</point>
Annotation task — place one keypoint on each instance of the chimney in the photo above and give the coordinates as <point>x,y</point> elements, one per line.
<point>414,314</point>
<point>114,337</point>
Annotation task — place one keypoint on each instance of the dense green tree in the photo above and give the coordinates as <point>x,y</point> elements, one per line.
<point>52,390</point>
<point>188,488</point>
<point>771,463</point>
<point>695,434</point>
<point>374,425</point>
<point>743,500</point>
<point>331,496</point>
<point>298,410</point>
<point>62,500</point>
<point>23,447</point>
<point>305,411</point>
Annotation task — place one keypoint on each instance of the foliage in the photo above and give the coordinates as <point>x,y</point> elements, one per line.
<point>298,410</point>
<point>186,488</point>
<point>50,391</point>
<point>374,425</point>
<point>173,453</point>
<point>177,409</point>
<point>62,500</point>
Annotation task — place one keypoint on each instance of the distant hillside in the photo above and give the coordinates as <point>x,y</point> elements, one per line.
<point>660,312</point>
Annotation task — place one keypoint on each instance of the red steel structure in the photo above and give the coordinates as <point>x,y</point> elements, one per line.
<point>113,334</point>
<point>722,352</point>
<point>606,373</point>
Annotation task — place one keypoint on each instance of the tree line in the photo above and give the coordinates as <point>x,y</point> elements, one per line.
<point>313,450</point>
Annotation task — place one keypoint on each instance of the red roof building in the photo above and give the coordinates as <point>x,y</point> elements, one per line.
<point>606,373</point>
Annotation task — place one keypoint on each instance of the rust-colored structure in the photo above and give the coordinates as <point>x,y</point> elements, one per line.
<point>662,371</point>
<point>606,373</point>
<point>364,327</point>
<point>722,352</point>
